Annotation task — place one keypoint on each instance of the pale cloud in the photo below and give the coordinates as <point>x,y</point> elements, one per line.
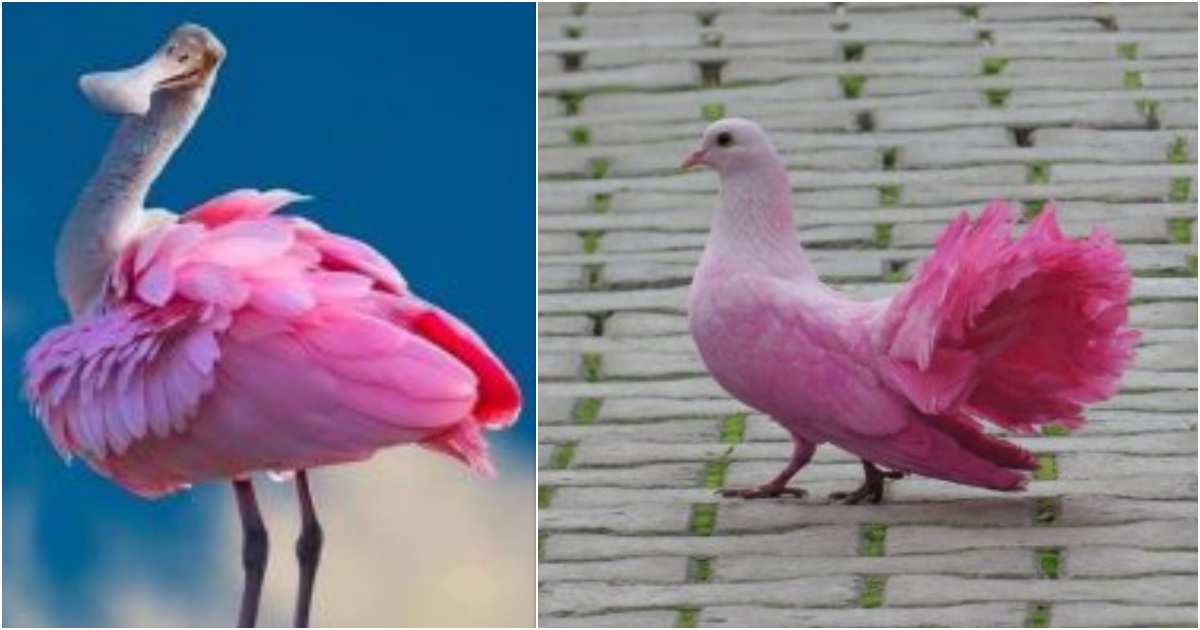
<point>412,539</point>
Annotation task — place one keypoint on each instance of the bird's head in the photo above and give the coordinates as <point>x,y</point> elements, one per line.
<point>730,145</point>
<point>187,61</point>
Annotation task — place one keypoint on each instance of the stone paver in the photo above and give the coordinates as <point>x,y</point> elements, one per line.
<point>891,119</point>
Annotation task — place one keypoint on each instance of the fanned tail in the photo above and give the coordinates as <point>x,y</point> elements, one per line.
<point>1020,332</point>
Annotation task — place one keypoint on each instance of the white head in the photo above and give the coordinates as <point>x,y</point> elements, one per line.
<point>731,145</point>
<point>188,60</point>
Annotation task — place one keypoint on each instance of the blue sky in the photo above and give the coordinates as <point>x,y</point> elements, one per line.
<point>413,128</point>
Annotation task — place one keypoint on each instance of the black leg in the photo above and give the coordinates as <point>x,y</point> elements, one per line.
<point>308,548</point>
<point>872,487</point>
<point>254,551</point>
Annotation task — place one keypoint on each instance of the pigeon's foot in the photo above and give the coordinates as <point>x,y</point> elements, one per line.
<point>767,491</point>
<point>871,489</point>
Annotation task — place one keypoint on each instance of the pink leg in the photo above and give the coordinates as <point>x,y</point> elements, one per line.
<point>308,548</point>
<point>871,489</point>
<point>802,451</point>
<point>254,551</point>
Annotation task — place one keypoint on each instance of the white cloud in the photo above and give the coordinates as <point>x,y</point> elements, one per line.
<point>411,539</point>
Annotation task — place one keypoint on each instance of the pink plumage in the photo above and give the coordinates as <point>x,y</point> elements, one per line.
<point>1019,331</point>
<point>238,340</point>
<point>232,339</point>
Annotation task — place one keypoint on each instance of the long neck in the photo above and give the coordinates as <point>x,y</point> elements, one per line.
<point>109,209</point>
<point>754,222</point>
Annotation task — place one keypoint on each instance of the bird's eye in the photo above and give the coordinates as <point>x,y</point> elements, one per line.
<point>184,57</point>
<point>724,139</point>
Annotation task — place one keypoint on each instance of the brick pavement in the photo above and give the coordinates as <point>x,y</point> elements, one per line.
<point>891,119</point>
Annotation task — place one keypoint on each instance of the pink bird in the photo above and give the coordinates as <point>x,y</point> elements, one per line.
<point>1018,332</point>
<point>232,339</point>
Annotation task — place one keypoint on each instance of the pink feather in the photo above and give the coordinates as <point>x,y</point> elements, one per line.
<point>1018,331</point>
<point>237,341</point>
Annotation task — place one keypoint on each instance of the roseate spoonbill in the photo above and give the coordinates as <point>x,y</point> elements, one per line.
<point>230,339</point>
<point>1018,332</point>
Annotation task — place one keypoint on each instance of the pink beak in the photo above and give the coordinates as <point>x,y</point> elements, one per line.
<point>697,158</point>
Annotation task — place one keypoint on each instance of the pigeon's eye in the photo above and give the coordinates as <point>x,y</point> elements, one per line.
<point>724,139</point>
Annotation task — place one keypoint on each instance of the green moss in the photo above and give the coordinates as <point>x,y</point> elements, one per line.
<point>853,51</point>
<point>1047,469</point>
<point>872,591</point>
<point>579,136</point>
<point>1180,188</point>
<point>704,518</point>
<point>1048,561</point>
<point>994,65</point>
<point>562,455</point>
<point>591,240</point>
<point>714,472</point>
<point>700,569</point>
<point>1032,208</point>
<point>889,194</point>
<point>1128,50</point>
<point>1178,153</point>
<point>688,616</point>
<point>601,203</point>
<point>592,366</point>
<point>572,102</point>
<point>579,8</point>
<point>852,85</point>
<point>585,411</point>
<point>1039,615</point>
<point>997,97</point>
<point>970,11</point>
<point>598,168</point>
<point>874,539</point>
<point>883,235</point>
<point>545,496</point>
<point>1191,262</point>
<point>1180,230</point>
<point>1039,172</point>
<point>1055,430</point>
<point>733,428</point>
<point>712,112</point>
<point>1133,80</point>
<point>1046,511</point>
<point>573,32</point>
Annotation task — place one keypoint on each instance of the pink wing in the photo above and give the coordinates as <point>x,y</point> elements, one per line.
<point>1017,331</point>
<point>237,341</point>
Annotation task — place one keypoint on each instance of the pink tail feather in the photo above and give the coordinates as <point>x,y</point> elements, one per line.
<point>1020,331</point>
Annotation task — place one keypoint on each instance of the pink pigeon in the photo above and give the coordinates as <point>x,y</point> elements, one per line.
<point>233,339</point>
<point>1019,332</point>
